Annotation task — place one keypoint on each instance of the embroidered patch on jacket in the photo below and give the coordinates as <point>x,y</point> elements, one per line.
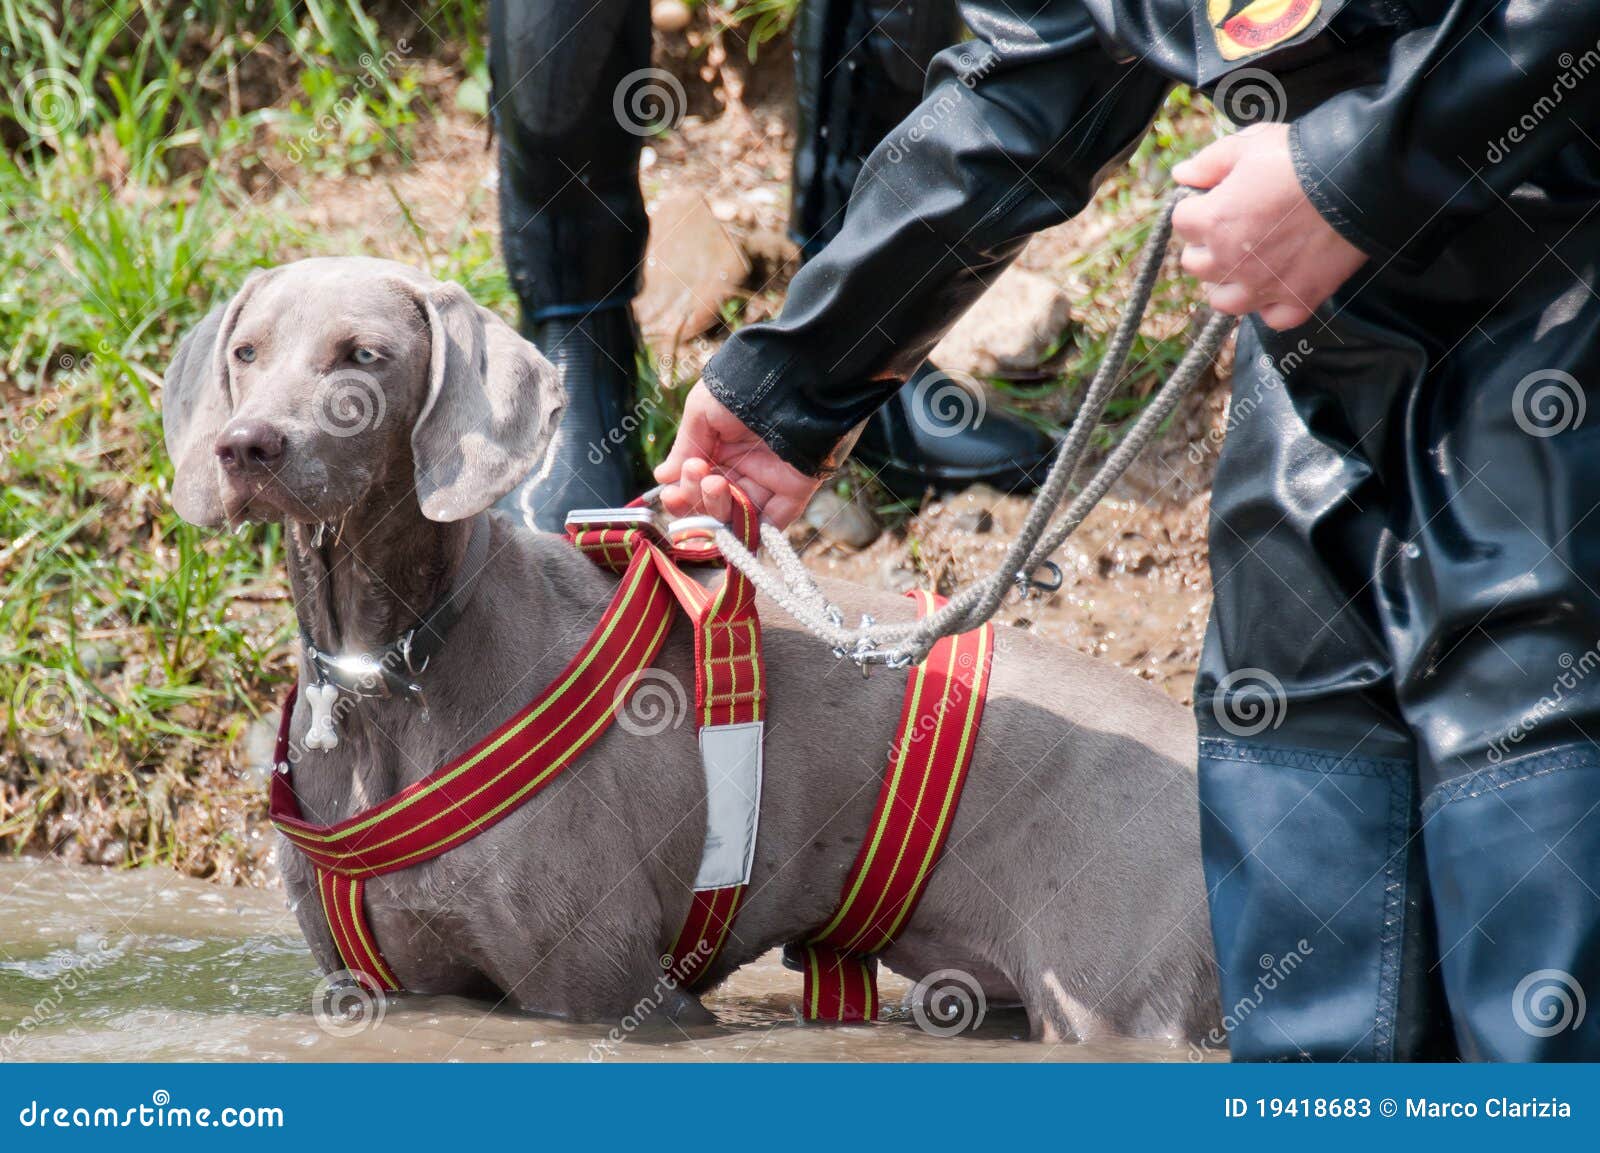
<point>1245,27</point>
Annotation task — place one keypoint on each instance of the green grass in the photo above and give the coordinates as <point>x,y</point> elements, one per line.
<point>135,647</point>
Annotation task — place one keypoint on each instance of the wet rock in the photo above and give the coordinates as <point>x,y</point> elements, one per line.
<point>109,851</point>
<point>895,576</point>
<point>977,520</point>
<point>692,268</point>
<point>100,658</point>
<point>260,742</point>
<point>842,518</point>
<point>670,15</point>
<point>772,255</point>
<point>1011,329</point>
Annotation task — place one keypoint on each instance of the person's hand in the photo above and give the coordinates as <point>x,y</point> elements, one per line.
<point>714,449</point>
<point>1254,240</point>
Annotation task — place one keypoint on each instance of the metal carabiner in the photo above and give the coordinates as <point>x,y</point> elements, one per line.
<point>1029,586</point>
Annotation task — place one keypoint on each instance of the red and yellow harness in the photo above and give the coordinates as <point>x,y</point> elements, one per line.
<point>916,804</point>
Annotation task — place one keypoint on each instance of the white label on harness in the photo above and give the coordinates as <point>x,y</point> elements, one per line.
<point>731,756</point>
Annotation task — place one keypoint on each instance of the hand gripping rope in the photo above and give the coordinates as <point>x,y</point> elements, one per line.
<point>902,645</point>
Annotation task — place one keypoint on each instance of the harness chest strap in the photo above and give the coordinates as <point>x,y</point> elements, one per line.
<point>512,764</point>
<point>730,714</point>
<point>917,800</point>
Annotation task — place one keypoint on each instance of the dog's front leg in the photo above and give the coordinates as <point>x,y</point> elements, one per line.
<point>299,881</point>
<point>606,971</point>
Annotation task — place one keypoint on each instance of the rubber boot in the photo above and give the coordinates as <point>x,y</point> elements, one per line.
<point>935,433</point>
<point>573,227</point>
<point>590,462</point>
<point>859,71</point>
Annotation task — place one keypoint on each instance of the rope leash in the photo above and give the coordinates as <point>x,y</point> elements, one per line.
<point>790,585</point>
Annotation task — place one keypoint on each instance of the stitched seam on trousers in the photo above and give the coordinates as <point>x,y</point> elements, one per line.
<point>1391,932</point>
<point>1311,760</point>
<point>1391,939</point>
<point>1486,781</point>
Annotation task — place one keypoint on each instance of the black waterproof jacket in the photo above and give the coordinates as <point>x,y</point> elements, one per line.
<point>1409,118</point>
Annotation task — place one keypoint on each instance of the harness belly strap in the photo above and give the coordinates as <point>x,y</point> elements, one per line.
<point>917,801</point>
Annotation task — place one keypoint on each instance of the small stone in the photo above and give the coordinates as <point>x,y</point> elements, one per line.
<point>111,851</point>
<point>260,742</point>
<point>894,576</point>
<point>670,15</point>
<point>693,267</point>
<point>843,519</point>
<point>1013,327</point>
<point>100,658</point>
<point>975,521</point>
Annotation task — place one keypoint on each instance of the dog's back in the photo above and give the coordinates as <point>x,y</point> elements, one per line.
<point>1071,881</point>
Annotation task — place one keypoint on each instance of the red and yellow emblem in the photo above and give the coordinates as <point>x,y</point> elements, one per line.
<point>1245,27</point>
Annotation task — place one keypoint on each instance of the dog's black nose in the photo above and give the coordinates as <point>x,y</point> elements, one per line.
<point>250,446</point>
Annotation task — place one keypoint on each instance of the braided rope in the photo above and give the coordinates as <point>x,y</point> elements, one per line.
<point>792,588</point>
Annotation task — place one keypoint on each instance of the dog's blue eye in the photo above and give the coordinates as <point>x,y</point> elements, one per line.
<point>364,356</point>
<point>245,352</point>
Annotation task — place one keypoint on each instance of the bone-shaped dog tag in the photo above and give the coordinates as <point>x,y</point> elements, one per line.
<point>321,734</point>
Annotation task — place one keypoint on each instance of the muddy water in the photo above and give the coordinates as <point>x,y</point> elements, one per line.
<point>98,965</point>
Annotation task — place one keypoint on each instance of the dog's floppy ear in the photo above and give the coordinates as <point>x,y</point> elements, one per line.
<point>492,406</point>
<point>195,405</point>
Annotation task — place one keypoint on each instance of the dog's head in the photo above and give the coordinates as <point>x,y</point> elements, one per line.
<point>323,379</point>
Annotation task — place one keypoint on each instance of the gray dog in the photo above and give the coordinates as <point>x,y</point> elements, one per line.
<point>378,413</point>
